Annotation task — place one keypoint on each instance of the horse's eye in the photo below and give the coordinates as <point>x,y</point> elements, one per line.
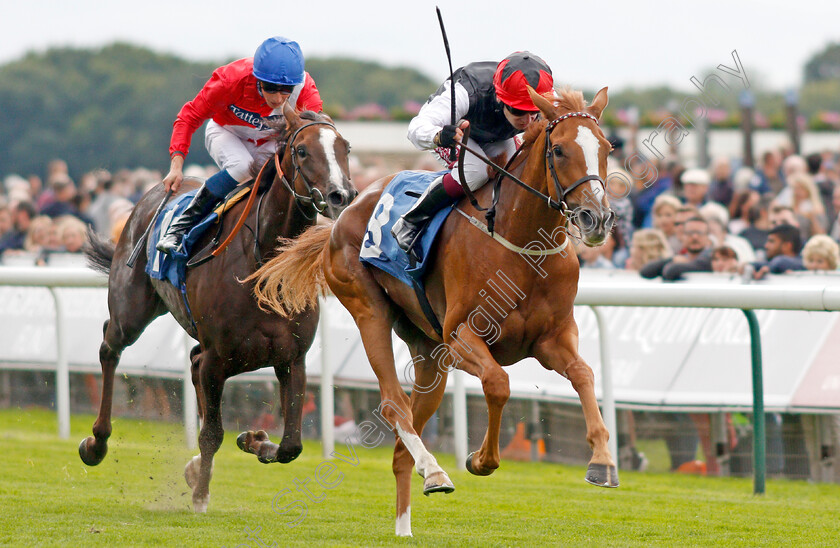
<point>558,151</point>
<point>301,152</point>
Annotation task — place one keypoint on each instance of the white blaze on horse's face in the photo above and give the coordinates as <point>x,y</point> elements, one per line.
<point>328,142</point>
<point>590,145</point>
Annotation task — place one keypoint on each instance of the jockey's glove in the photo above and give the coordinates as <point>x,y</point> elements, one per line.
<point>446,136</point>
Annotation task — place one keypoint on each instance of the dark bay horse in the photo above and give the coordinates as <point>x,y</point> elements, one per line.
<point>496,306</point>
<point>234,334</point>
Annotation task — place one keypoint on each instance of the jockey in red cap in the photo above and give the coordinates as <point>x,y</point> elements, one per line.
<point>494,100</point>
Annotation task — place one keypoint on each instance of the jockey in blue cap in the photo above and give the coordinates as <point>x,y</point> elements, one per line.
<point>239,99</point>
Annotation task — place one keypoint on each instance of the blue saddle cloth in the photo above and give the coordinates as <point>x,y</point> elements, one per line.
<point>379,248</point>
<point>161,266</point>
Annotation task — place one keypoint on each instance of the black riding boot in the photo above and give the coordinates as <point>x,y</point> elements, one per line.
<point>409,226</point>
<point>201,204</point>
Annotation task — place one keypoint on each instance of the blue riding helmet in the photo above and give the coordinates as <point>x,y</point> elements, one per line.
<point>279,61</point>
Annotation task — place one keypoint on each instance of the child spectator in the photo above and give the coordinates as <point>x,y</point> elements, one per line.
<point>665,209</point>
<point>649,244</point>
<point>724,260</point>
<point>71,233</point>
<point>821,253</point>
<point>806,202</point>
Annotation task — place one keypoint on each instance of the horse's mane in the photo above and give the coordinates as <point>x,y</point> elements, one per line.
<point>569,100</point>
<point>565,99</point>
<point>279,125</point>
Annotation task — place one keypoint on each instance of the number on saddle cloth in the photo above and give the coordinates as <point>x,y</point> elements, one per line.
<point>379,248</point>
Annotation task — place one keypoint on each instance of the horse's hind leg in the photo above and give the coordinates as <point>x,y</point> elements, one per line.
<point>560,353</point>
<point>131,312</point>
<point>426,395</point>
<point>199,470</point>
<point>396,406</point>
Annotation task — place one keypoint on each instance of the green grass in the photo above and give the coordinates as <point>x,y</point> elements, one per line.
<point>138,497</point>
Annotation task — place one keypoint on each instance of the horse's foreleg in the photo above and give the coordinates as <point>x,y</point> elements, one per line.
<point>560,353</point>
<point>426,395</point>
<point>496,386</point>
<point>200,469</point>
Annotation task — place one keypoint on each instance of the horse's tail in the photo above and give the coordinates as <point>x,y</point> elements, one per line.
<point>99,252</point>
<point>291,282</point>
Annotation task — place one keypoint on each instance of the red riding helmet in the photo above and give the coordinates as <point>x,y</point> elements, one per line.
<point>516,70</point>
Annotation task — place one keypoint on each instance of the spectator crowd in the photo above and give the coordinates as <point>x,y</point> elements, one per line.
<point>780,217</point>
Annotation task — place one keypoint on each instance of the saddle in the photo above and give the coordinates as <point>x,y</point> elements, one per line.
<point>379,249</point>
<point>173,268</point>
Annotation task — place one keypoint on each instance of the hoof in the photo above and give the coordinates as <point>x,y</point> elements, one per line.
<point>244,440</point>
<point>240,441</point>
<point>602,475</point>
<point>191,471</point>
<point>90,457</point>
<point>200,504</point>
<point>472,470</point>
<point>438,483</point>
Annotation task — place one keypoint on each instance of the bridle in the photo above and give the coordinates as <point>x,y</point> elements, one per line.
<point>558,205</point>
<point>563,192</point>
<point>313,198</point>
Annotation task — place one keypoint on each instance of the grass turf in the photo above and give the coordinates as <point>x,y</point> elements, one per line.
<point>138,497</point>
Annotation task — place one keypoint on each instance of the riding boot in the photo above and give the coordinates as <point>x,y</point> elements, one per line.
<point>408,227</point>
<point>201,204</point>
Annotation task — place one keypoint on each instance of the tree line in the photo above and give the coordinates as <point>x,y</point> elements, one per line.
<point>113,107</point>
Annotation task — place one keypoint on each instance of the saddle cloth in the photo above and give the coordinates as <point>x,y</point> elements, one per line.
<point>379,248</point>
<point>161,266</point>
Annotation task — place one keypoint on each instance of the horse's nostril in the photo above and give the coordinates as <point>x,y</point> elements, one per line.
<point>586,220</point>
<point>337,198</point>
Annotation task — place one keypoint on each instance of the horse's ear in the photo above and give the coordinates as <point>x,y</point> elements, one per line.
<point>545,106</point>
<point>599,103</point>
<point>291,116</point>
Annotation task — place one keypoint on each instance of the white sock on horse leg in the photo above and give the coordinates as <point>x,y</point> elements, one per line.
<point>425,461</point>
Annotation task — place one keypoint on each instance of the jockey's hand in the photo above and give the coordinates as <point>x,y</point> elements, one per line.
<point>451,134</point>
<point>173,179</point>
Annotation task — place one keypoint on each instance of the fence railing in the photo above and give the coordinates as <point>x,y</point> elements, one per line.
<point>599,292</point>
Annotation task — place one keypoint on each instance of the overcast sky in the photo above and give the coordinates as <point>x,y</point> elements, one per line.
<point>588,44</point>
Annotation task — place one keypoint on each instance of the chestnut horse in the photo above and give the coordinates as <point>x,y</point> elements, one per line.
<point>530,314</point>
<point>234,334</point>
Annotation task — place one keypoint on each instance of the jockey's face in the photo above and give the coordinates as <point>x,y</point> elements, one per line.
<point>275,96</point>
<point>275,100</point>
<point>519,119</point>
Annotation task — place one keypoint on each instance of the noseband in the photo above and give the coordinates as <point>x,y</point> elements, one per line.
<point>314,197</point>
<point>563,192</point>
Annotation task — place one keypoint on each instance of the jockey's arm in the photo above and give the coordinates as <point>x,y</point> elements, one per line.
<point>436,113</point>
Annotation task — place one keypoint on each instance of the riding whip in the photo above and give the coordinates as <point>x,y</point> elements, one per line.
<point>142,241</point>
<point>453,149</point>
